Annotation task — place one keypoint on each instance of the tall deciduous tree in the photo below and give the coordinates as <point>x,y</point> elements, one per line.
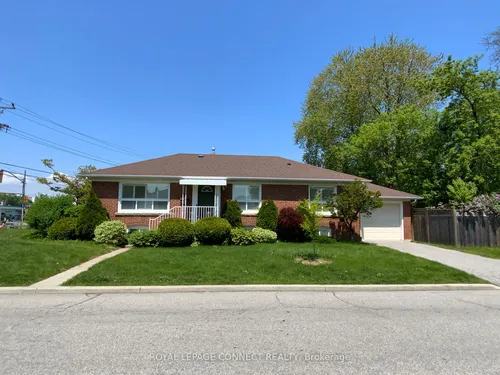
<point>469,128</point>
<point>356,88</point>
<point>77,187</point>
<point>492,43</point>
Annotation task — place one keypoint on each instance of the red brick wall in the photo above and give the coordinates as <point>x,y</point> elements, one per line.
<point>108,194</point>
<point>407,220</point>
<point>285,195</point>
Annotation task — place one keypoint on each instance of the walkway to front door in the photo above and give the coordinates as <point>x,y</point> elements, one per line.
<point>485,268</point>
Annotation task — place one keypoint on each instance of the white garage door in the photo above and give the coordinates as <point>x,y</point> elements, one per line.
<point>383,224</point>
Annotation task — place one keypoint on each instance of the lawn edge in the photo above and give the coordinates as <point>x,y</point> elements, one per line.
<point>244,288</point>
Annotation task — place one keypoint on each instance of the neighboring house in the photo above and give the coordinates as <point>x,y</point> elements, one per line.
<point>195,186</point>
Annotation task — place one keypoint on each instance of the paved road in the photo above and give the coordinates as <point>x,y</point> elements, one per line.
<point>252,333</point>
<point>485,268</point>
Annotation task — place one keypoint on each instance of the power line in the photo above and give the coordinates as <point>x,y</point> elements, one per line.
<point>56,146</point>
<point>30,169</point>
<point>70,135</point>
<point>21,173</point>
<point>33,113</point>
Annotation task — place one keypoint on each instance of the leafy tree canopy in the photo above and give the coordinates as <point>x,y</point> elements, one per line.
<point>402,117</point>
<point>77,187</point>
<point>354,89</point>
<point>492,43</point>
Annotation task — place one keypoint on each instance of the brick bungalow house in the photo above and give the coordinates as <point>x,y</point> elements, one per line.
<point>195,186</point>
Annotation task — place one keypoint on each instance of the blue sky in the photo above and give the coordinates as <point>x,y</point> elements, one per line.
<point>162,77</point>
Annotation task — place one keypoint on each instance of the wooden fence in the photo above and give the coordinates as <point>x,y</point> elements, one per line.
<point>448,227</point>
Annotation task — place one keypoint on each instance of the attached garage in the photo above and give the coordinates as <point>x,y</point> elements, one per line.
<point>385,223</point>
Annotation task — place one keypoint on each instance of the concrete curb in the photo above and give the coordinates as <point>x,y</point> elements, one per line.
<point>243,288</point>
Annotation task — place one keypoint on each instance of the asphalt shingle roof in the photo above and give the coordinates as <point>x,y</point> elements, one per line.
<point>235,166</point>
<point>214,165</point>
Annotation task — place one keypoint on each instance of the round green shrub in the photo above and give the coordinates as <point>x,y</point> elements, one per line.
<point>46,211</point>
<point>232,213</point>
<point>146,238</point>
<point>176,232</point>
<point>111,232</point>
<point>92,214</point>
<point>212,231</point>
<point>264,235</point>
<point>63,229</point>
<point>242,237</point>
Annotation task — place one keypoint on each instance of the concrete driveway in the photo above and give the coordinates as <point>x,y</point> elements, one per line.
<point>485,268</point>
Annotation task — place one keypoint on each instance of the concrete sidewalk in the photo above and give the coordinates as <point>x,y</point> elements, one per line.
<point>485,268</point>
<point>61,278</point>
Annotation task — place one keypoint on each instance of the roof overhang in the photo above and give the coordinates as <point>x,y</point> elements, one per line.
<point>115,176</point>
<point>203,181</point>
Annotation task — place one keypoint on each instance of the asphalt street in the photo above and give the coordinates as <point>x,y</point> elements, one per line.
<point>252,333</point>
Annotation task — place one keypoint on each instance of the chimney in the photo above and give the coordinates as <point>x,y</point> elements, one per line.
<point>213,150</point>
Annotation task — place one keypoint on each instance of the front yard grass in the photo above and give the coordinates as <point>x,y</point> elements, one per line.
<point>351,263</point>
<point>489,252</point>
<point>25,260</point>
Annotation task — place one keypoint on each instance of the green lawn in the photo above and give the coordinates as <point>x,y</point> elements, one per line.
<point>24,260</point>
<point>489,252</point>
<point>268,264</point>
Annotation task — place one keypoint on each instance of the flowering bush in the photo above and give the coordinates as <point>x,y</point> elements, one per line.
<point>264,235</point>
<point>485,204</point>
<point>111,232</point>
<point>242,237</point>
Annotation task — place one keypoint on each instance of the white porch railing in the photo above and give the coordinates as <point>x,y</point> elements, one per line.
<point>192,213</point>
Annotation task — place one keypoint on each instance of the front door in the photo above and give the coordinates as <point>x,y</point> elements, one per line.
<point>206,195</point>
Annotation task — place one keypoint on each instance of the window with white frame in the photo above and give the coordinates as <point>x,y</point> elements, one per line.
<point>247,196</point>
<point>324,194</point>
<point>144,197</point>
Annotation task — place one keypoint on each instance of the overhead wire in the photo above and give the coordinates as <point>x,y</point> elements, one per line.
<point>28,168</point>
<point>72,136</point>
<point>45,142</point>
<point>44,118</point>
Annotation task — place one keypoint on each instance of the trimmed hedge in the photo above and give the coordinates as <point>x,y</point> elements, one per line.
<point>63,229</point>
<point>242,237</point>
<point>111,232</point>
<point>290,226</point>
<point>175,232</point>
<point>92,214</point>
<point>264,235</point>
<point>267,218</point>
<point>212,231</point>
<point>46,211</point>
<point>147,238</point>
<point>232,214</point>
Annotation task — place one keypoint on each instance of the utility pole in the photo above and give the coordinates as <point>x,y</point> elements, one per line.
<point>24,198</point>
<point>2,107</point>
<point>4,127</point>
<point>23,181</point>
